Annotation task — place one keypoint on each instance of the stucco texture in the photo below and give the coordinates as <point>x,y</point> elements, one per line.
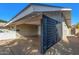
<point>25,30</point>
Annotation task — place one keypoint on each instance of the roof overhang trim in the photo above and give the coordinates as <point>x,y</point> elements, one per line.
<point>30,10</point>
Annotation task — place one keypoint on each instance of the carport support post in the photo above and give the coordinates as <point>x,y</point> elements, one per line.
<point>41,34</point>
<point>15,27</point>
<point>17,34</point>
<point>41,37</point>
<point>15,30</point>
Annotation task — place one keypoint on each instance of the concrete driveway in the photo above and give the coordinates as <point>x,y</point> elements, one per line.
<point>67,46</point>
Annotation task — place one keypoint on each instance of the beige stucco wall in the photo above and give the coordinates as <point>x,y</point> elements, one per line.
<point>65,30</point>
<point>27,30</point>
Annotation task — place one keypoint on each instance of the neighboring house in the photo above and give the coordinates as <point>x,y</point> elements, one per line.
<point>5,33</point>
<point>2,26</point>
<point>74,30</point>
<point>49,23</point>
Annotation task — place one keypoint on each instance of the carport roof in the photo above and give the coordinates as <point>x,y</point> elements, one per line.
<point>35,7</point>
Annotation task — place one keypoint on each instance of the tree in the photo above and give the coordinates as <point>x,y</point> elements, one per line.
<point>77,25</point>
<point>3,21</point>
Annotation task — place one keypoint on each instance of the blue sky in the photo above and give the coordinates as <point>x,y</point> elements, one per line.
<point>9,10</point>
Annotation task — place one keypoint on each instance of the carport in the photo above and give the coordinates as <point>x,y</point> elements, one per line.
<point>41,23</point>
